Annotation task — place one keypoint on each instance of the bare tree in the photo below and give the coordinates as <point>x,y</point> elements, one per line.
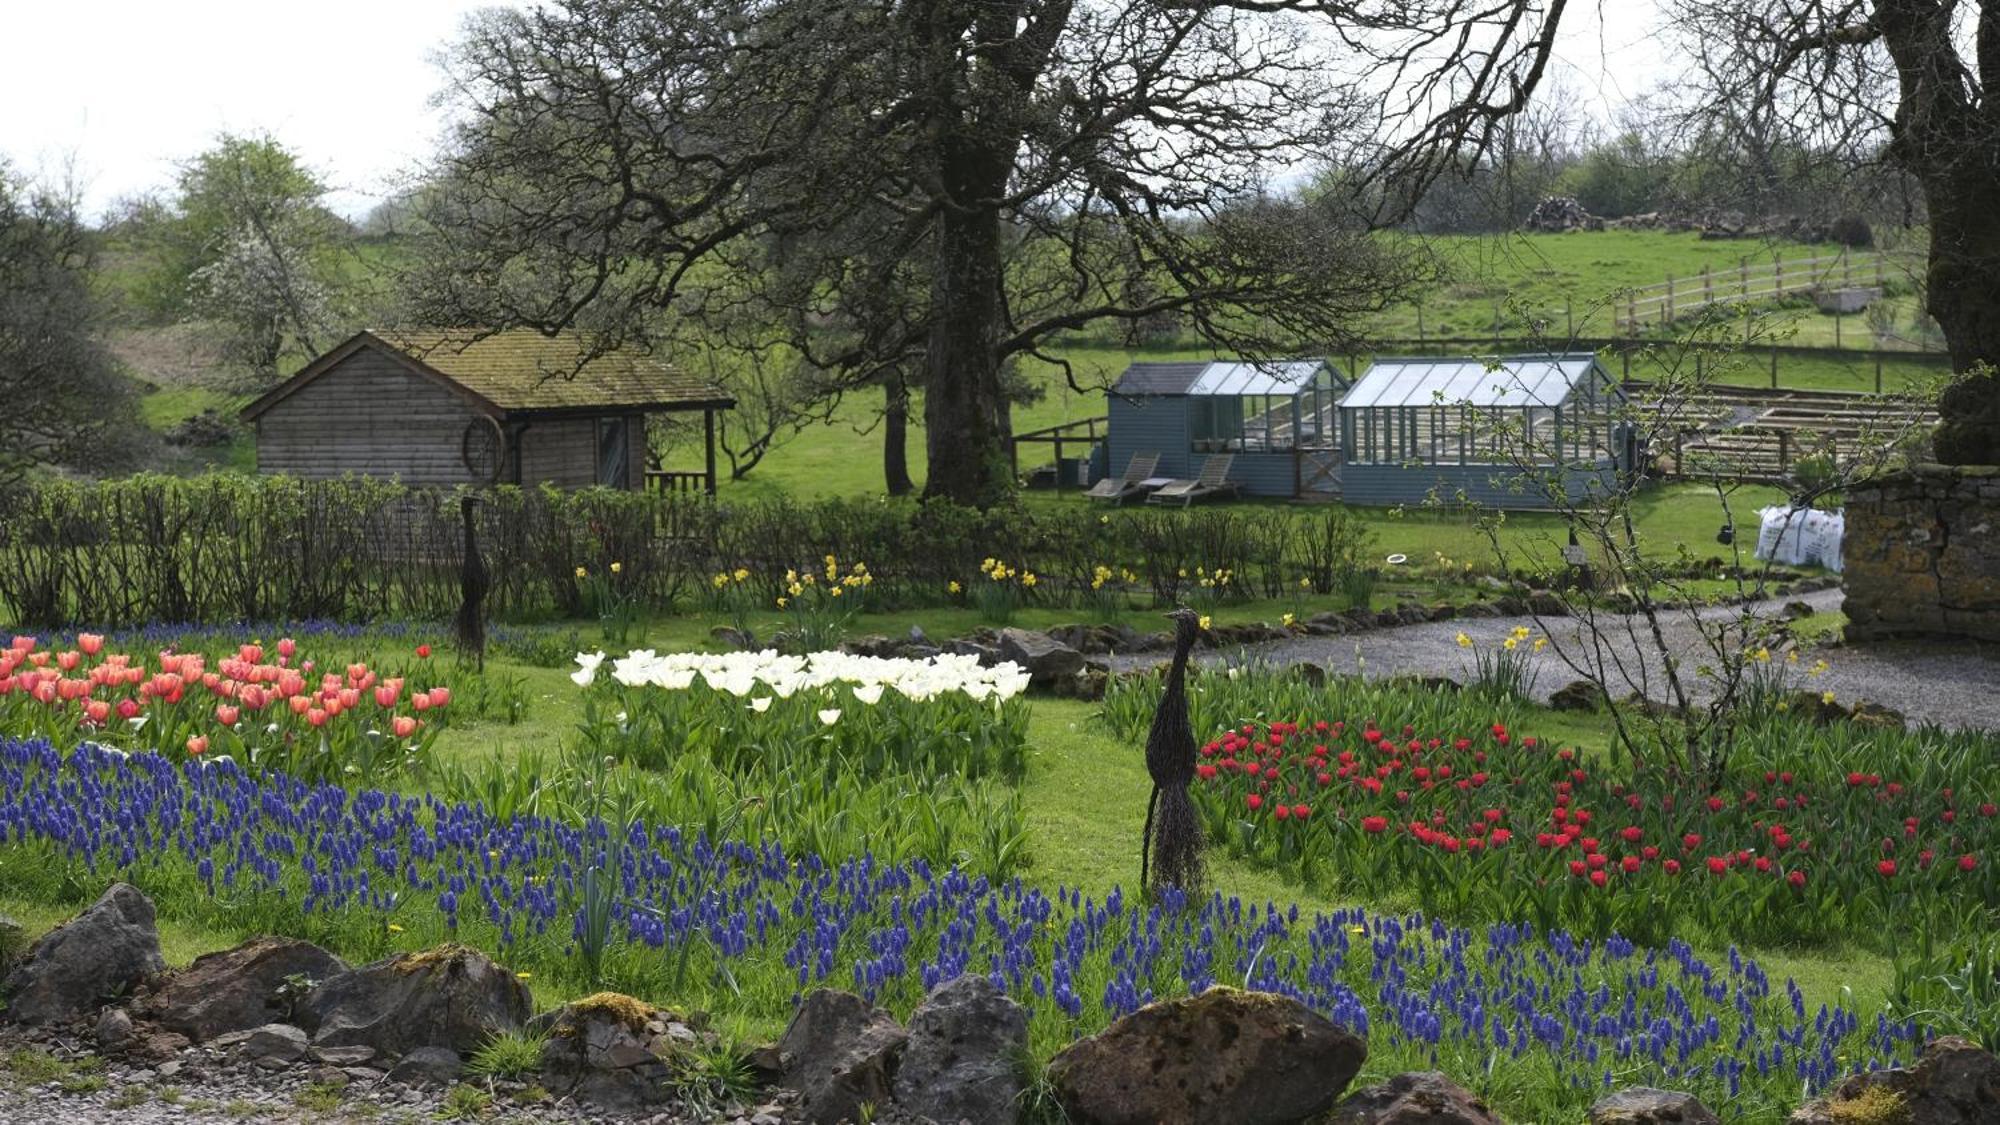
<point>64,401</point>
<point>1032,156</point>
<point>1844,76</point>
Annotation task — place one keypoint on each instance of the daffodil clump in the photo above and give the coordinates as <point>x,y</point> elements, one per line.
<point>1211,587</point>
<point>1110,589</point>
<point>1001,590</point>
<point>822,603</point>
<point>1505,670</point>
<point>733,594</point>
<point>605,595</point>
<point>1769,681</point>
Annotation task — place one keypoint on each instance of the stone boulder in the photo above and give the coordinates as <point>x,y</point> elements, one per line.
<point>614,1052</point>
<point>427,1066</point>
<point>963,1059</point>
<point>114,1029</point>
<point>1225,1057</point>
<point>840,1055</point>
<point>1643,1105</point>
<point>12,938</point>
<point>450,996</point>
<point>254,984</point>
<point>1954,1083</point>
<point>1046,659</point>
<point>1420,1098</point>
<point>274,1045</point>
<point>1577,695</point>
<point>101,953</point>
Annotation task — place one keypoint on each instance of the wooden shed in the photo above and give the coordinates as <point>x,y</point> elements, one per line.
<point>459,407</point>
<point>1503,432</point>
<point>1275,418</point>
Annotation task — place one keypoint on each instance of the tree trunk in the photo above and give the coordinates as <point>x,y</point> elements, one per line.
<point>896,436</point>
<point>967,460</point>
<point>1964,295</point>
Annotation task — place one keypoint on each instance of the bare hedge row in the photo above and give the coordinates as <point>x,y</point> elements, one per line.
<point>224,548</point>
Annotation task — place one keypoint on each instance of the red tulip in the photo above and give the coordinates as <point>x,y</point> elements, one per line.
<point>1886,868</point>
<point>1966,862</point>
<point>423,652</point>
<point>1797,879</point>
<point>1372,824</point>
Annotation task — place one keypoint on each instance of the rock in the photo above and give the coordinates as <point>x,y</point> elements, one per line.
<point>1558,214</point>
<point>840,1054</point>
<point>12,937</point>
<point>1577,695</point>
<point>1045,658</point>
<point>603,1050</point>
<point>1544,603</point>
<point>1953,1083</point>
<point>328,1076</point>
<point>277,1041</point>
<point>114,1029</point>
<point>428,1066</point>
<point>161,1047</point>
<point>731,636</point>
<point>1795,611</point>
<point>249,986</point>
<point>450,996</point>
<point>1227,1057</point>
<point>1420,1098</point>
<point>963,1059</point>
<point>101,953</point>
<point>342,1056</point>
<point>1643,1105</point>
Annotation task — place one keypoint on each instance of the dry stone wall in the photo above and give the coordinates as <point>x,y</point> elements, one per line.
<point>1922,554</point>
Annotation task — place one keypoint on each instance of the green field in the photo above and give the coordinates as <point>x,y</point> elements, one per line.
<point>1494,285</point>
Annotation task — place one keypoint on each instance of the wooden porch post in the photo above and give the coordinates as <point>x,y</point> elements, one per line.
<point>708,428</point>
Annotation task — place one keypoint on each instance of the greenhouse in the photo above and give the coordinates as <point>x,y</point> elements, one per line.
<point>1273,420</point>
<point>1511,432</point>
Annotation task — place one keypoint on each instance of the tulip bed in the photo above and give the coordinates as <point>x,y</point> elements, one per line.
<point>828,713</point>
<point>1550,1018</point>
<point>1817,834</point>
<point>268,710</point>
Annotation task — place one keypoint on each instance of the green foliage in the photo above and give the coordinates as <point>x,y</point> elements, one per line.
<point>510,1054</point>
<point>465,1103</point>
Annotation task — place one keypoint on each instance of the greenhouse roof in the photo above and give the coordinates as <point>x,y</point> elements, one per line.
<point>1220,377</point>
<point>1543,380</point>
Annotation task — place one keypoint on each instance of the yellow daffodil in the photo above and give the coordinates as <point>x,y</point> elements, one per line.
<point>617,568</point>
<point>1826,697</point>
<point>1541,643</point>
<point>1464,641</point>
<point>1287,620</point>
<point>1511,643</point>
<point>742,574</point>
<point>782,601</point>
<point>524,976</point>
<point>582,573</point>
<point>954,587</point>
<point>1204,622</point>
<point>394,928</point>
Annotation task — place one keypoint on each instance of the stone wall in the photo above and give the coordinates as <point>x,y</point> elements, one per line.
<point>1922,554</point>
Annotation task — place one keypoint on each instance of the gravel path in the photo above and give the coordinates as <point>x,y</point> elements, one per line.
<point>1954,686</point>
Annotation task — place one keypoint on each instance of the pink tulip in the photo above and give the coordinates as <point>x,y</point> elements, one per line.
<point>440,696</point>
<point>287,647</point>
<point>420,701</point>
<point>350,698</point>
<point>251,654</point>
<point>90,643</point>
<point>23,644</point>
<point>317,717</point>
<point>97,711</point>
<point>227,715</point>
<point>197,744</point>
<point>300,704</point>
<point>403,726</point>
<point>45,692</point>
<point>68,659</point>
<point>128,709</point>
<point>385,695</point>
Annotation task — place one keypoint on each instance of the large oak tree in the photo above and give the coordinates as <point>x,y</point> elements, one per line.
<point>918,192</point>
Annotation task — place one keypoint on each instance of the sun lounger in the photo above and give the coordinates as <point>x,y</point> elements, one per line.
<point>1117,490</point>
<point>1213,481</point>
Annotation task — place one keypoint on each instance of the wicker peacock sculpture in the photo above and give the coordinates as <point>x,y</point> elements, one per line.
<point>472,586</point>
<point>1171,856</point>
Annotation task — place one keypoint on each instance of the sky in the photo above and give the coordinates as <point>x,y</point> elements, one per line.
<point>122,90</point>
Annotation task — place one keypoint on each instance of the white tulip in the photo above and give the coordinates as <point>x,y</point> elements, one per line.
<point>830,716</point>
<point>586,669</point>
<point>761,704</point>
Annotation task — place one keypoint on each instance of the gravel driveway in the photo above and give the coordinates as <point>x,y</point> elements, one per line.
<point>1952,685</point>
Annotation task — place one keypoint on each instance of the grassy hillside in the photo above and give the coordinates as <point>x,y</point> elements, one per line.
<point>1567,282</point>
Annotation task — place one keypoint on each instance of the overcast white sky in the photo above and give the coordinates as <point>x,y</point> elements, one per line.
<point>125,88</point>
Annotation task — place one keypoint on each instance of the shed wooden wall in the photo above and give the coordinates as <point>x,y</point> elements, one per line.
<point>370,415</point>
<point>1154,424</point>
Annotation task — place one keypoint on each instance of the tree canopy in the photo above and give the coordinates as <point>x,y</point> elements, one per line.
<point>925,191</point>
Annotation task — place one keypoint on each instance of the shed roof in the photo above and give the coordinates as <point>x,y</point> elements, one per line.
<point>522,372</point>
<point>1220,377</point>
<point>1521,380</point>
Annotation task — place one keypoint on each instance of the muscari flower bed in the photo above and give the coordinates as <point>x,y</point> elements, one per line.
<point>1549,1018</point>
